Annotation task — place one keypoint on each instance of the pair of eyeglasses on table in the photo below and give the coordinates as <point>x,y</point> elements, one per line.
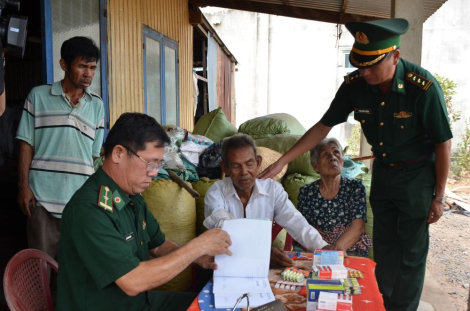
<point>246,295</point>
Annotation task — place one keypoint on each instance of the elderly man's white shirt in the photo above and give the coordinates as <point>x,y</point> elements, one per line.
<point>268,201</point>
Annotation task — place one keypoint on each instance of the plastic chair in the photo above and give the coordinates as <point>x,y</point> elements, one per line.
<point>26,281</point>
<point>289,240</point>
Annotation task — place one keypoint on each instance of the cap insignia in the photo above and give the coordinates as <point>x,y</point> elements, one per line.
<point>105,200</point>
<point>362,38</point>
<point>418,81</point>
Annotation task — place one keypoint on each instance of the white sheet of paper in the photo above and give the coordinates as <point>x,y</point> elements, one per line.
<point>251,248</point>
<point>246,271</point>
<point>240,285</point>
<point>228,300</point>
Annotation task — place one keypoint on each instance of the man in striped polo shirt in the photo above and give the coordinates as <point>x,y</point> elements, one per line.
<point>60,132</point>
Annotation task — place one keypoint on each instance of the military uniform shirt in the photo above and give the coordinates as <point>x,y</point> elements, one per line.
<point>98,245</point>
<point>401,125</point>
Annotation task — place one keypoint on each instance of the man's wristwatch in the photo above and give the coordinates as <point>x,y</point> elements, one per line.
<point>440,199</point>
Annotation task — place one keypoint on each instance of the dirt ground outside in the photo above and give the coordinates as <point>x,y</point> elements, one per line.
<point>449,249</point>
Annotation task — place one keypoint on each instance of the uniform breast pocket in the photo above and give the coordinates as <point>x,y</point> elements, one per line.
<point>404,128</point>
<point>366,119</point>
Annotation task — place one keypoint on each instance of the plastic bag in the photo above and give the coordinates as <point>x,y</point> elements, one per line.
<point>171,157</point>
<point>352,169</point>
<point>194,146</point>
<point>209,162</point>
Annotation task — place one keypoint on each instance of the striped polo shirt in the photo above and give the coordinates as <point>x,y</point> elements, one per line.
<point>65,140</point>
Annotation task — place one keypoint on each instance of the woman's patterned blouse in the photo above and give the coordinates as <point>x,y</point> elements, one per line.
<point>334,216</point>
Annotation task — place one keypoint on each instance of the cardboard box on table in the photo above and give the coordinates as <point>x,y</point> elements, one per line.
<point>315,287</point>
<point>334,302</point>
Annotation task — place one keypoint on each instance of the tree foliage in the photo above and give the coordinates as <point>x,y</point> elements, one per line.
<point>448,87</point>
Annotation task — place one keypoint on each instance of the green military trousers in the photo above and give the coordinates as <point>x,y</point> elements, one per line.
<point>401,199</point>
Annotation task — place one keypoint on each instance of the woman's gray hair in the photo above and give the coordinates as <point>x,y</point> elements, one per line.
<point>316,150</point>
<point>235,142</point>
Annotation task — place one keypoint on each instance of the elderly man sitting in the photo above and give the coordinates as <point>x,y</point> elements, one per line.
<point>242,195</point>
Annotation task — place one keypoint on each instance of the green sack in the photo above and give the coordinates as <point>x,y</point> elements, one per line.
<point>201,187</point>
<point>280,239</point>
<point>272,124</point>
<point>282,143</point>
<point>294,182</point>
<point>214,125</point>
<point>366,180</point>
<point>175,210</point>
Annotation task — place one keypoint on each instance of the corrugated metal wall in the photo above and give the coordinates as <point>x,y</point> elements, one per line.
<point>224,84</point>
<point>126,78</point>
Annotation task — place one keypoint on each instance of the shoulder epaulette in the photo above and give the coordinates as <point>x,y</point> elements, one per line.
<point>419,81</point>
<point>353,77</point>
<point>105,200</point>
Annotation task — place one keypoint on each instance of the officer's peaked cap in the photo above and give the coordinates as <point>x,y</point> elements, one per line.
<point>373,40</point>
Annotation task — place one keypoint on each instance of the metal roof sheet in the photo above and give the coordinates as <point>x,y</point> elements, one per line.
<point>332,11</point>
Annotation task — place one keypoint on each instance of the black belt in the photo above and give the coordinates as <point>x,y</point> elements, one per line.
<point>408,162</point>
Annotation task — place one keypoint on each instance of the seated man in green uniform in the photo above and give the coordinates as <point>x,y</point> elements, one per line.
<point>108,234</point>
<point>403,115</point>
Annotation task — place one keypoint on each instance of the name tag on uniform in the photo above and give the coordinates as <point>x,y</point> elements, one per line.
<point>403,115</point>
<point>364,111</point>
<point>129,237</point>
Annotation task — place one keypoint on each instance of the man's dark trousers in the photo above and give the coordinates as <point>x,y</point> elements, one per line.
<point>401,199</point>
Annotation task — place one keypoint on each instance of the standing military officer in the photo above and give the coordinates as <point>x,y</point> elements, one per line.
<point>403,115</point>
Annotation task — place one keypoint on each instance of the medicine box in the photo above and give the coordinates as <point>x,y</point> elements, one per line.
<point>334,302</point>
<point>328,257</point>
<point>315,286</point>
<point>328,272</point>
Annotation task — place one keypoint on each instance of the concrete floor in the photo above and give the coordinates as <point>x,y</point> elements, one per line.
<point>433,298</point>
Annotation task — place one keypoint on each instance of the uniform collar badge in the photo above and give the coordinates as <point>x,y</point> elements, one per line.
<point>106,199</point>
<point>118,201</point>
<point>361,38</point>
<point>144,224</point>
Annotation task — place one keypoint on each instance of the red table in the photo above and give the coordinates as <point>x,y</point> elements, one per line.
<point>369,300</point>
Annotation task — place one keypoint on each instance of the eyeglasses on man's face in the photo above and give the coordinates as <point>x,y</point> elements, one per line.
<point>150,165</point>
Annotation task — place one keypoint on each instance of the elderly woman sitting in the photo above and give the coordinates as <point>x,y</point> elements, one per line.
<point>334,205</point>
